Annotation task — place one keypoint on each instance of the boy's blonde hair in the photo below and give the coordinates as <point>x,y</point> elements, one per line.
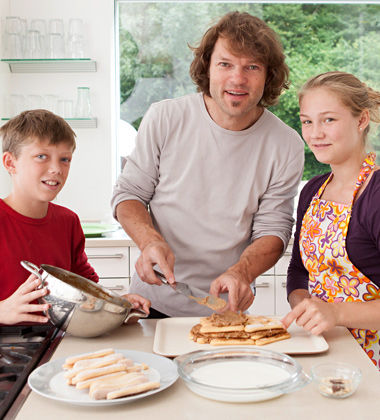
<point>37,124</point>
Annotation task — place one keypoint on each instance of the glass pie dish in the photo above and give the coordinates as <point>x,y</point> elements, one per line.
<point>236,374</point>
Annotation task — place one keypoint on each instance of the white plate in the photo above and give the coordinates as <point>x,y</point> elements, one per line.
<point>48,380</point>
<point>172,339</point>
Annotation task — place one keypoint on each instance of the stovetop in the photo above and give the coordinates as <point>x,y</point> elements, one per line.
<point>22,347</point>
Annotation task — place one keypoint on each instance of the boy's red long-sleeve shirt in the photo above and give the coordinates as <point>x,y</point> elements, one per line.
<point>56,239</point>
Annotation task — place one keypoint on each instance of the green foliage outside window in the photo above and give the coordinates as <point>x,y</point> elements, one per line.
<point>155,58</point>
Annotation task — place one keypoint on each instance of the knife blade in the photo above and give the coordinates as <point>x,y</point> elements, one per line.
<point>201,297</point>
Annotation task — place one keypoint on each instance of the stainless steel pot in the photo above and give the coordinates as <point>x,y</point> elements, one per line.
<point>80,306</point>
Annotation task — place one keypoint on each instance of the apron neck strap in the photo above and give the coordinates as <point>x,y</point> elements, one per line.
<point>367,166</point>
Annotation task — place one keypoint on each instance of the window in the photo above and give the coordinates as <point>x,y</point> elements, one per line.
<point>317,37</point>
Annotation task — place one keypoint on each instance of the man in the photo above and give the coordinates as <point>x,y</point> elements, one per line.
<point>218,171</point>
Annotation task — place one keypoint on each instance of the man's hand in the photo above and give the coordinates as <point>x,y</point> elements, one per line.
<point>137,223</point>
<point>18,307</point>
<point>314,315</point>
<point>156,252</point>
<point>240,295</point>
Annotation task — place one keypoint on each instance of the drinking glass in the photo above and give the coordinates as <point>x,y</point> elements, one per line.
<point>51,103</point>
<point>75,40</point>
<point>40,26</point>
<point>33,45</point>
<point>56,27</point>
<point>65,108</point>
<point>75,47</point>
<point>12,25</point>
<point>76,27</point>
<point>13,45</point>
<point>83,105</point>
<point>56,45</point>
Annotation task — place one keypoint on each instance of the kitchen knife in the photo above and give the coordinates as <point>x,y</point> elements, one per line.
<point>194,293</point>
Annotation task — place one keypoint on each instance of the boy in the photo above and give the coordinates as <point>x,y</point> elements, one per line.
<point>37,152</point>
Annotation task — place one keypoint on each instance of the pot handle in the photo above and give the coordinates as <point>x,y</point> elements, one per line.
<point>135,313</point>
<point>32,268</point>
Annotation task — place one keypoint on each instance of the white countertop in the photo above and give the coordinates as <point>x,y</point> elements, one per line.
<point>179,403</point>
<point>114,239</point>
<point>119,238</point>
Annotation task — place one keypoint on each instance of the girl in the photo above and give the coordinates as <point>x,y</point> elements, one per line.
<point>334,274</point>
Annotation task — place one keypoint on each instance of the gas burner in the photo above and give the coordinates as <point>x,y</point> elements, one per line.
<point>21,349</point>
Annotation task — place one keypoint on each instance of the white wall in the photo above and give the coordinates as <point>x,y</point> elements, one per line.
<point>89,187</point>
<point>4,90</point>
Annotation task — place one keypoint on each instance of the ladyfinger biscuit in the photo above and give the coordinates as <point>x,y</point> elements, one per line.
<point>272,339</point>
<point>137,367</point>
<point>211,329</point>
<point>99,391</point>
<point>100,353</point>
<point>231,342</point>
<point>262,327</point>
<point>97,363</point>
<point>134,389</point>
<point>93,373</point>
<point>104,378</point>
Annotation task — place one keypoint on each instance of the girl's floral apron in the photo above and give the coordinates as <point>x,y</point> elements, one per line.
<point>332,276</point>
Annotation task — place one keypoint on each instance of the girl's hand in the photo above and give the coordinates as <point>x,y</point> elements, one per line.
<point>18,307</point>
<point>313,315</point>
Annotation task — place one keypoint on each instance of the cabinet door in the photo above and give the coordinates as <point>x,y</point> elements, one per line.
<point>134,254</point>
<point>264,299</point>
<point>109,262</point>
<point>282,304</point>
<point>116,284</point>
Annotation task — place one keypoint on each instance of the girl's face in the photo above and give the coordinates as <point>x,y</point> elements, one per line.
<point>333,134</point>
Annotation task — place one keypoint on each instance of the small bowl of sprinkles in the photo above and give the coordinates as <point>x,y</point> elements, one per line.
<point>336,380</point>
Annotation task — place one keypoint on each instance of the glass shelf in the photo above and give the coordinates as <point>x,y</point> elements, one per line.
<point>76,122</point>
<point>45,65</point>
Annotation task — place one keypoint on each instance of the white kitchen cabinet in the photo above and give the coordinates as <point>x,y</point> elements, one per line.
<point>271,289</point>
<point>264,303</point>
<point>134,254</point>
<point>112,266</point>
<point>282,306</point>
<point>119,285</point>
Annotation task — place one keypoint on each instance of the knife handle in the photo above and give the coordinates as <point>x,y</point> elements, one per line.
<point>160,276</point>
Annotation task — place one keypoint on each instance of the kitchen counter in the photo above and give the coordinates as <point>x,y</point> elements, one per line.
<point>118,238</point>
<point>179,403</point>
<point>112,239</point>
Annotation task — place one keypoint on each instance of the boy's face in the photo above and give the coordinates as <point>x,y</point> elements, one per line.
<point>40,171</point>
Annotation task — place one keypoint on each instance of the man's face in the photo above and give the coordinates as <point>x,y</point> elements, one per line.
<point>236,87</point>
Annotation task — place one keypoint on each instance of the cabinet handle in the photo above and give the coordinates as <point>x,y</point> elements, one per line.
<point>108,256</point>
<point>117,287</point>
<point>263,284</point>
<point>283,283</point>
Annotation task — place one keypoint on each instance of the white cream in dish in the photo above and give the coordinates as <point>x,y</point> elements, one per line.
<point>240,374</point>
